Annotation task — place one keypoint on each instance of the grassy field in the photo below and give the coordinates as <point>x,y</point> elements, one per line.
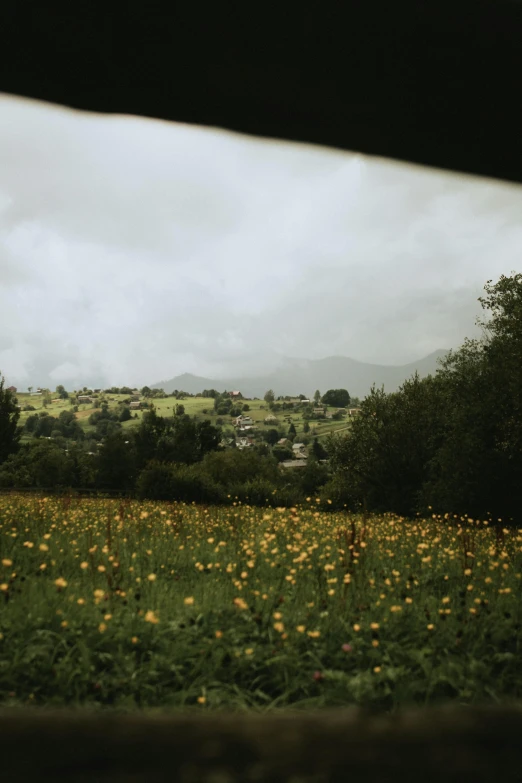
<point>170,606</point>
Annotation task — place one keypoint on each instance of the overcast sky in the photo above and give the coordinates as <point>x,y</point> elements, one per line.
<point>133,250</point>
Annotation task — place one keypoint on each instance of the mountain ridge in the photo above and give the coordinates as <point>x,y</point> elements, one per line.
<point>304,376</point>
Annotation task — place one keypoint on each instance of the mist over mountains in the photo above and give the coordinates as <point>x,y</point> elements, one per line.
<point>303,376</point>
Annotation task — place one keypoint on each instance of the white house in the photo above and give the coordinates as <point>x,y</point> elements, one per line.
<point>299,450</point>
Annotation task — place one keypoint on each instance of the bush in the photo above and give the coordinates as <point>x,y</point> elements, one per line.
<point>256,492</point>
<point>187,483</point>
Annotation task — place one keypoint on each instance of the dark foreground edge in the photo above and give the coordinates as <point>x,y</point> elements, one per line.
<point>443,744</point>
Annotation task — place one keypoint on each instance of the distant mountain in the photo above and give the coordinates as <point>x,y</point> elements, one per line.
<point>301,376</point>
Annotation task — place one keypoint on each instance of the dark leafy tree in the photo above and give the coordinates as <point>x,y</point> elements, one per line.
<point>10,432</point>
<point>338,398</point>
<point>116,462</point>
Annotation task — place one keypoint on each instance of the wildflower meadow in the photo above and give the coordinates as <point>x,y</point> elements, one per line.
<point>156,605</point>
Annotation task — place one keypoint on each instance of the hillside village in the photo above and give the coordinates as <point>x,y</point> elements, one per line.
<point>288,427</point>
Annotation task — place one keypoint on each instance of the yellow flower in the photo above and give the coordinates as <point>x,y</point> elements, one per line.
<point>28,544</point>
<point>43,566</point>
<point>80,601</point>
<point>277,615</point>
<point>101,569</point>
<point>301,628</point>
<point>201,699</point>
<point>395,608</point>
<point>64,623</point>
<point>134,640</point>
<point>108,617</point>
<point>151,577</point>
<point>374,626</point>
<point>240,603</point>
<point>6,562</point>
<point>314,634</point>
<point>356,627</point>
<point>249,651</point>
<point>60,582</point>
<point>375,643</point>
<point>150,617</point>
<point>84,565</point>
<point>4,587</point>
<point>99,593</point>
<point>279,627</point>
<point>446,600</point>
<point>102,628</point>
<point>43,548</point>
<point>219,634</point>
<point>189,601</point>
<point>376,669</point>
<point>430,627</point>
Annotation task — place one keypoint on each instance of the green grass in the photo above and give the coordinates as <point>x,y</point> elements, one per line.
<point>286,608</point>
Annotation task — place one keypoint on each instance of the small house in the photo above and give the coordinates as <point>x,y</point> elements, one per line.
<point>293,463</point>
<point>236,395</point>
<point>135,405</point>
<point>12,389</point>
<point>84,398</point>
<point>299,450</point>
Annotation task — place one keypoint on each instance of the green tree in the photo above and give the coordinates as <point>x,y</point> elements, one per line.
<point>318,450</point>
<point>306,427</point>
<point>271,436</point>
<point>385,457</point>
<point>338,398</point>
<point>317,397</point>
<point>10,433</point>
<point>282,453</point>
<point>478,466</point>
<point>269,396</point>
<point>292,430</point>
<point>125,414</point>
<point>40,463</point>
<point>116,462</point>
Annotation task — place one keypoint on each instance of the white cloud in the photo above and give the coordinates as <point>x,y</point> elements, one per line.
<point>132,250</point>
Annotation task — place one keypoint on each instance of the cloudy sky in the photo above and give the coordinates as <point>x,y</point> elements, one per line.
<point>133,250</point>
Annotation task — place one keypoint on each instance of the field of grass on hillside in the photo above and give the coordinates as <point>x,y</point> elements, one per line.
<point>164,605</point>
<point>200,407</point>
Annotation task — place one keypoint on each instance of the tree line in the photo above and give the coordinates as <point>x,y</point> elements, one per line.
<point>452,442</point>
